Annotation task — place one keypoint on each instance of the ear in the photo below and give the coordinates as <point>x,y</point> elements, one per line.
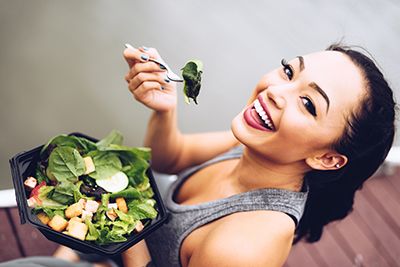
<point>327,161</point>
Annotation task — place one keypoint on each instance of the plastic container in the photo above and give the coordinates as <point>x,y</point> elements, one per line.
<point>23,165</point>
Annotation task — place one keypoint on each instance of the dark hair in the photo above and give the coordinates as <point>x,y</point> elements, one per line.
<point>366,141</point>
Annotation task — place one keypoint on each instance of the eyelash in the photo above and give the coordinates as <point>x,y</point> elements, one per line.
<point>309,105</point>
<point>287,69</point>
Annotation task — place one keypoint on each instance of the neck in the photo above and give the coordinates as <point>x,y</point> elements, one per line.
<point>253,172</point>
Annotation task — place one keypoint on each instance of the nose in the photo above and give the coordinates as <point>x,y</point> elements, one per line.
<point>276,94</point>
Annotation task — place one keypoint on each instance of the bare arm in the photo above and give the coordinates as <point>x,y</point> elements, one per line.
<point>136,256</point>
<point>260,238</point>
<point>172,151</point>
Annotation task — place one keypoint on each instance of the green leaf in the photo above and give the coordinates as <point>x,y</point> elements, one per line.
<point>51,211</point>
<point>65,163</point>
<point>124,227</point>
<point>128,218</point>
<point>82,144</point>
<point>40,176</point>
<point>191,74</point>
<point>106,164</point>
<point>64,193</point>
<point>148,193</point>
<point>129,155</point>
<point>128,193</point>
<point>141,210</point>
<point>93,232</point>
<point>115,137</point>
<point>137,174</point>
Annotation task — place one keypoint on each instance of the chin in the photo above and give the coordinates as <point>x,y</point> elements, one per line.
<point>238,128</point>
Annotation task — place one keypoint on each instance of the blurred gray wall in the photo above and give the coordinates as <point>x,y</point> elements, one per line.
<point>61,65</point>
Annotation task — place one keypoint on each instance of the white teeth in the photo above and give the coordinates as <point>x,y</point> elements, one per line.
<point>262,113</point>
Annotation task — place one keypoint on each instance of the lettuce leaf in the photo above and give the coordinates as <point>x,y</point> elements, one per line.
<point>83,145</point>
<point>127,193</point>
<point>129,154</point>
<point>114,137</point>
<point>66,193</point>
<point>93,233</point>
<point>141,209</point>
<point>66,164</point>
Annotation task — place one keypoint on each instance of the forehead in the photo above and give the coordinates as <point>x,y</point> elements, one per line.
<point>337,75</point>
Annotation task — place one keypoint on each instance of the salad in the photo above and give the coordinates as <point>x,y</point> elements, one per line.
<point>93,191</point>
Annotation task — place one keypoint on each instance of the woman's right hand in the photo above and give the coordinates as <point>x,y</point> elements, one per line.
<point>148,82</point>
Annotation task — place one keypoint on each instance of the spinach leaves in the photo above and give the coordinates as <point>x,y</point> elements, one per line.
<point>66,164</point>
<point>191,74</point>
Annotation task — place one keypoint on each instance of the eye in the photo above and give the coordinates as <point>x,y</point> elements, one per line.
<point>308,104</point>
<point>287,69</point>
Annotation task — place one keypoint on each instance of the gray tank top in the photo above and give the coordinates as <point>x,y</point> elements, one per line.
<point>165,243</point>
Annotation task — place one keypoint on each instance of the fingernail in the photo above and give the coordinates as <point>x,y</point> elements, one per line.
<point>166,80</point>
<point>162,67</point>
<point>162,88</point>
<point>144,57</point>
<point>145,48</point>
<point>129,46</point>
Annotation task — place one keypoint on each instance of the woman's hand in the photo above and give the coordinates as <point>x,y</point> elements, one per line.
<point>148,82</point>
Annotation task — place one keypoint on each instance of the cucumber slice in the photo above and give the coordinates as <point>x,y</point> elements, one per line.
<point>115,183</point>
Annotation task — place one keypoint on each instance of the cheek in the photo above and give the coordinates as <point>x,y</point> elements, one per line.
<point>303,134</point>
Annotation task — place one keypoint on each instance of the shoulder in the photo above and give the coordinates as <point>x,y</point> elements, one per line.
<point>255,238</point>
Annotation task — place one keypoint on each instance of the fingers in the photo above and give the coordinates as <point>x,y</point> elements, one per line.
<point>142,54</point>
<point>142,77</point>
<point>145,81</point>
<point>142,67</point>
<point>152,52</point>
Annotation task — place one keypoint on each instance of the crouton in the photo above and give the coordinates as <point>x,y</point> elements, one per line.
<point>58,223</point>
<point>89,165</point>
<point>139,226</point>
<point>91,206</point>
<point>86,215</point>
<point>72,221</point>
<point>111,214</point>
<point>74,210</point>
<point>30,183</point>
<point>78,230</point>
<point>121,203</point>
<point>43,218</point>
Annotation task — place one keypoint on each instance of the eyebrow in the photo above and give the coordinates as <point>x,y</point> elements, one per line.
<point>301,62</point>
<point>314,85</point>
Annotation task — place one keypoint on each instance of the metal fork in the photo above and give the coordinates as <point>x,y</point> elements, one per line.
<point>170,74</point>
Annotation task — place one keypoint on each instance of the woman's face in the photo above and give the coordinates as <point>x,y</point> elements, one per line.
<point>299,109</point>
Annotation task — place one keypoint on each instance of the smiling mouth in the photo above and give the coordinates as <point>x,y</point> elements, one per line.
<point>263,116</point>
<point>258,117</point>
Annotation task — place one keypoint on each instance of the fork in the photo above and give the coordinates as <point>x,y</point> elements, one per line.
<point>170,74</point>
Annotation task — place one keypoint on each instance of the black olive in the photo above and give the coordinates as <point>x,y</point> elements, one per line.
<point>90,191</point>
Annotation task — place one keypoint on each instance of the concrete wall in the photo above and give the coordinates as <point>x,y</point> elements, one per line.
<point>61,65</point>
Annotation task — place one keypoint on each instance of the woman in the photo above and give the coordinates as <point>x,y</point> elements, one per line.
<point>313,131</point>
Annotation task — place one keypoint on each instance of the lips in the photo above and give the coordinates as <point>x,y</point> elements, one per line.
<point>258,117</point>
